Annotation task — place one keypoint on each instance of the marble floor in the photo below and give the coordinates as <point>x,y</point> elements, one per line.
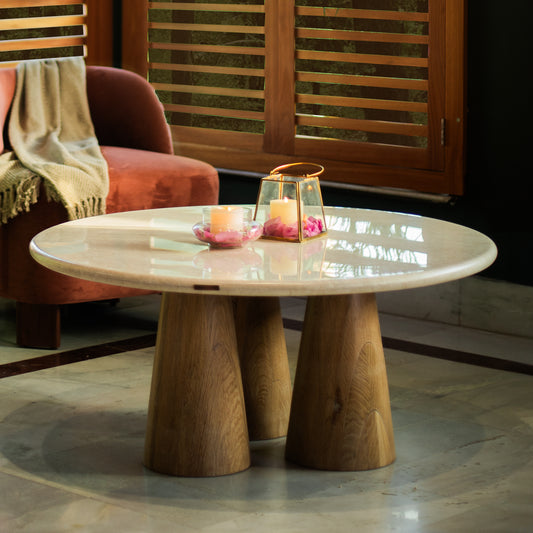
<point>72,436</point>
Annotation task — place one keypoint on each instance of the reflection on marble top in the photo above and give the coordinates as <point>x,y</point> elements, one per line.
<point>363,251</point>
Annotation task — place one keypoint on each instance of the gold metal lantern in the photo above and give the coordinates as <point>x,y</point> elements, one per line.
<point>289,204</point>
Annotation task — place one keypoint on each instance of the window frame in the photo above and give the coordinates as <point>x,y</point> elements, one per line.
<point>244,152</point>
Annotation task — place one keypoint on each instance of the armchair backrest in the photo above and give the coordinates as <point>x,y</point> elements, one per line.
<point>124,108</point>
<point>126,111</point>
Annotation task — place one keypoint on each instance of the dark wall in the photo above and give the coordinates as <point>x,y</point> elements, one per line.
<point>498,199</point>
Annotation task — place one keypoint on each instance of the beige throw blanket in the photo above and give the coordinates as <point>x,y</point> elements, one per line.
<point>53,140</point>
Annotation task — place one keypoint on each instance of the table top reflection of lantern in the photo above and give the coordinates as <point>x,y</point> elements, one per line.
<point>289,203</point>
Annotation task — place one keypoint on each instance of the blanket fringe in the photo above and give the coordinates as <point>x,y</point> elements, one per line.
<point>89,207</point>
<point>19,197</point>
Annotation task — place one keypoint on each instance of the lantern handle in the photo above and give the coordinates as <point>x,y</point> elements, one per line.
<point>289,165</point>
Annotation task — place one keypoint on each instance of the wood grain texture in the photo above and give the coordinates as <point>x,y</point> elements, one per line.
<point>100,27</point>
<point>340,414</point>
<point>264,366</point>
<point>279,77</point>
<point>196,415</point>
<point>135,36</point>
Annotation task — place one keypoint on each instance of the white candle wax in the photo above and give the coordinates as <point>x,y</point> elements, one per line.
<point>226,218</point>
<point>286,209</point>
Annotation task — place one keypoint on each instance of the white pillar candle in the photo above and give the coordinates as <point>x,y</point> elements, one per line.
<point>286,209</point>
<point>226,218</point>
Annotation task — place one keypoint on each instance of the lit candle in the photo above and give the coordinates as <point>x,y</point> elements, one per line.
<point>226,218</point>
<point>284,208</point>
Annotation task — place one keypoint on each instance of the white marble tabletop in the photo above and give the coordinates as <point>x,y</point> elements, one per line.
<point>363,251</point>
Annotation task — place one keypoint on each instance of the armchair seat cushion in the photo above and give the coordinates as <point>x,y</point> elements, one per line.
<point>139,179</point>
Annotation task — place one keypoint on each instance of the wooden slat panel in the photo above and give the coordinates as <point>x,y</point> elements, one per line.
<point>374,59</point>
<point>361,13</point>
<point>362,152</point>
<point>366,81</point>
<point>199,89</point>
<point>214,111</point>
<point>52,42</point>
<point>224,28</point>
<point>345,35</point>
<point>187,6</point>
<point>375,126</point>
<point>7,4</point>
<point>231,71</point>
<point>218,49</point>
<point>364,103</point>
<point>251,142</point>
<point>41,22</point>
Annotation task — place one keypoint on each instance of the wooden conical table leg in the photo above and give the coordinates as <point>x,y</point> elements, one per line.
<point>264,366</point>
<point>340,414</point>
<point>196,415</point>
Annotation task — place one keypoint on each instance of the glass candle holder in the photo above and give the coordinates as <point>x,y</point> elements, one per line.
<point>227,226</point>
<point>289,204</point>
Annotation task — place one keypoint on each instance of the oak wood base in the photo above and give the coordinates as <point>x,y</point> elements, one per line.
<point>196,415</point>
<point>340,414</point>
<point>264,366</point>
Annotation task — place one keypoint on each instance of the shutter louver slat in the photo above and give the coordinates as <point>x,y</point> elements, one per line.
<point>307,33</point>
<point>367,81</point>
<point>210,69</point>
<point>379,14</point>
<point>206,48</point>
<point>41,43</point>
<point>196,89</point>
<point>10,4</point>
<point>206,6</point>
<point>174,26</point>
<point>40,22</point>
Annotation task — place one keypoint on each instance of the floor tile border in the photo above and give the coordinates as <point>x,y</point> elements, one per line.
<point>147,341</point>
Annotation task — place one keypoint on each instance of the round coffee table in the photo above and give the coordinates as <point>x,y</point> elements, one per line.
<point>220,372</point>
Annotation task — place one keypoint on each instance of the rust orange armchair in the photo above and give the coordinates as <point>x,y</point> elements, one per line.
<point>143,174</point>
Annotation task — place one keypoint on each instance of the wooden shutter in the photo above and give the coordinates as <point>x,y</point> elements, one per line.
<point>34,29</point>
<point>373,91</point>
<point>362,82</point>
<point>206,62</point>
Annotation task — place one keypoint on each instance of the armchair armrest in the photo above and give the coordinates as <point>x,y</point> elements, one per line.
<point>126,111</point>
